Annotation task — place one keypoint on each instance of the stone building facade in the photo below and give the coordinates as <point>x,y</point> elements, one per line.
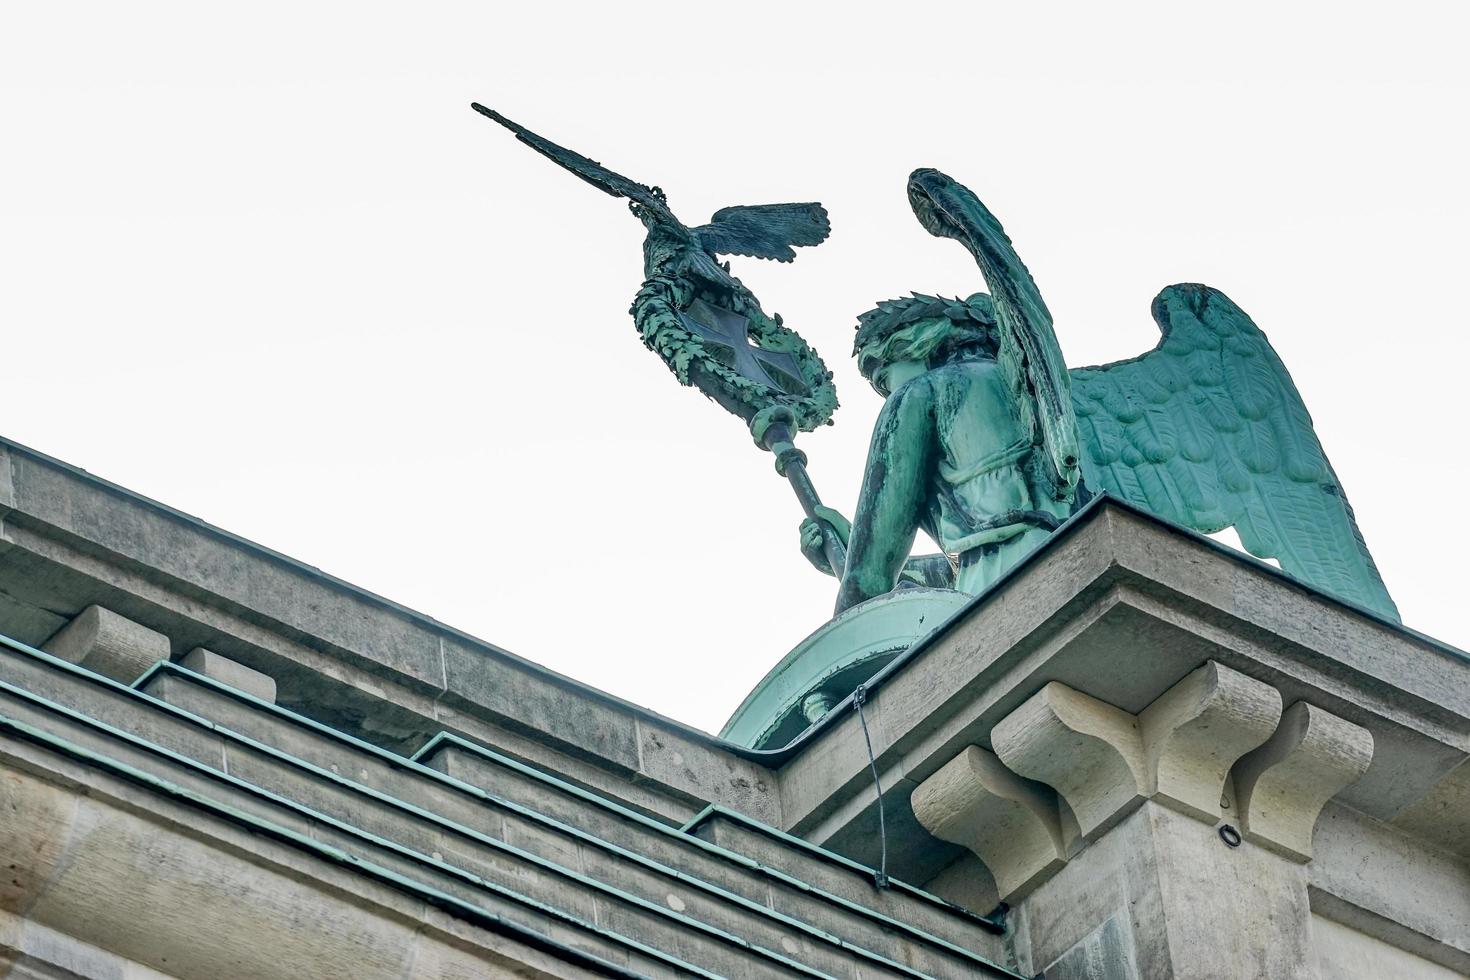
<point>1141,756</point>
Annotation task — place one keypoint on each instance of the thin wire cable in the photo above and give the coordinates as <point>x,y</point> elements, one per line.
<point>859,697</point>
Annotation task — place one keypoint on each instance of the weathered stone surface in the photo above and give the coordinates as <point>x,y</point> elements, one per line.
<point>1012,824</point>
<point>1122,609</point>
<point>222,565</point>
<point>1344,953</point>
<point>1190,905</point>
<point>589,726</point>
<point>101,640</point>
<point>1283,785</point>
<point>38,820</point>
<point>31,951</point>
<point>670,757</point>
<point>1196,730</point>
<point>715,931</point>
<point>1119,609</point>
<point>1090,752</point>
<point>1442,816</point>
<point>515,821</point>
<point>353,659</point>
<point>209,664</point>
<point>7,482</point>
<point>850,882</point>
<point>110,705</point>
<point>1397,888</point>
<point>1106,953</point>
<point>146,892</point>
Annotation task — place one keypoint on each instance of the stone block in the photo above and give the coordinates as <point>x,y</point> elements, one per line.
<point>1374,878</point>
<point>1283,785</point>
<point>230,673</point>
<point>1194,732</point>
<point>112,645</point>
<point>1190,906</point>
<point>1345,953</point>
<point>1442,816</point>
<point>7,483</point>
<point>535,700</point>
<point>1090,752</point>
<point>1106,953</point>
<point>1012,824</point>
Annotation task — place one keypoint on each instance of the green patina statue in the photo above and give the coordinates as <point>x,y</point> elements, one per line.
<point>953,452</point>
<point>986,440</point>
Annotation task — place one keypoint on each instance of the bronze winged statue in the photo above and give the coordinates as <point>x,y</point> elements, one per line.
<point>989,440</point>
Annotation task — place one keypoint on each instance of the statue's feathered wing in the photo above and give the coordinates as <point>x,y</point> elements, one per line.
<point>1208,430</point>
<point>765,231</point>
<point>1029,353</point>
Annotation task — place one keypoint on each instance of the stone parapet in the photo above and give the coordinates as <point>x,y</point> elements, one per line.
<point>498,845</point>
<point>354,660</point>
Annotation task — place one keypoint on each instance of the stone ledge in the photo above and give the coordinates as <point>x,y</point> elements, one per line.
<point>353,660</point>
<point>1380,881</point>
<point>1083,614</point>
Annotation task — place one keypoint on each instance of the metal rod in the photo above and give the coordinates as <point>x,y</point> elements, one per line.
<point>791,463</point>
<point>806,494</point>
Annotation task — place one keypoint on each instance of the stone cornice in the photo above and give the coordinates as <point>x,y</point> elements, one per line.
<point>1122,609</point>
<point>1112,579</point>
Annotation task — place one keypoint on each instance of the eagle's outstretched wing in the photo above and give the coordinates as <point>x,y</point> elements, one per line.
<point>1029,354</point>
<point>765,231</point>
<point>1208,430</point>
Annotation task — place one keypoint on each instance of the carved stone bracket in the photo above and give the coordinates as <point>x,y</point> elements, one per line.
<point>1283,785</point>
<point>1063,745</point>
<point>1090,752</point>
<point>226,671</point>
<point>112,645</point>
<point>1010,823</point>
<point>1194,732</point>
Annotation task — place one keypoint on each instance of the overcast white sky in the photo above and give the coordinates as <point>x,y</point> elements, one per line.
<point>262,263</point>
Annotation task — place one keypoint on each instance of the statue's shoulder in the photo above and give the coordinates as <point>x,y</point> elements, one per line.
<point>971,372</point>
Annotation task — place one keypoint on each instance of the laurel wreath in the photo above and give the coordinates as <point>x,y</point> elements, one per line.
<point>655,313</point>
